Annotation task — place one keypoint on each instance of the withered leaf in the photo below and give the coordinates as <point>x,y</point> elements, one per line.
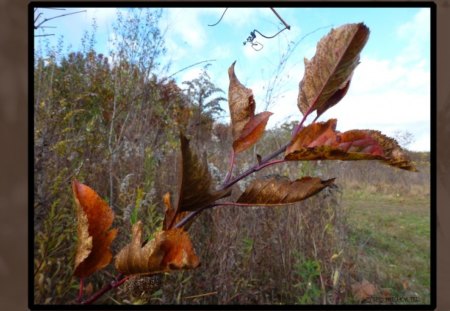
<point>169,213</point>
<point>241,103</point>
<point>95,218</point>
<point>277,190</point>
<point>363,290</point>
<point>321,141</point>
<point>328,74</point>
<point>247,127</point>
<point>195,187</point>
<point>252,131</point>
<point>169,250</point>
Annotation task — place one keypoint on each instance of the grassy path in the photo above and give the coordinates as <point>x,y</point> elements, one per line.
<point>390,244</point>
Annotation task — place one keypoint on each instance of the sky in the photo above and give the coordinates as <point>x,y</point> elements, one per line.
<point>390,88</point>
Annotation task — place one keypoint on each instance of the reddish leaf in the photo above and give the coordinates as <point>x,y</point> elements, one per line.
<point>95,218</point>
<point>169,213</point>
<point>195,191</point>
<point>328,74</point>
<point>252,132</point>
<point>169,250</point>
<point>247,127</point>
<point>277,190</point>
<point>321,141</point>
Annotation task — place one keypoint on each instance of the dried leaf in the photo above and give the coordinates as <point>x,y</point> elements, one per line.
<point>169,250</point>
<point>363,290</point>
<point>241,103</point>
<point>252,132</point>
<point>328,74</point>
<point>321,141</point>
<point>169,213</point>
<point>277,190</point>
<point>95,218</point>
<point>195,191</point>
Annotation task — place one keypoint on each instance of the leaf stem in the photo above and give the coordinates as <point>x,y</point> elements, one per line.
<point>80,292</point>
<point>230,170</point>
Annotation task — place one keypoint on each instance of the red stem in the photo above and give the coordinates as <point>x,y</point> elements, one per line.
<point>114,284</point>
<point>230,170</point>
<point>80,292</point>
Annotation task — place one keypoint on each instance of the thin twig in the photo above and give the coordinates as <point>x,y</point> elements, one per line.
<point>198,63</point>
<point>220,18</point>
<point>54,17</point>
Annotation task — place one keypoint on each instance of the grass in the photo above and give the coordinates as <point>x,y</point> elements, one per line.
<point>389,240</point>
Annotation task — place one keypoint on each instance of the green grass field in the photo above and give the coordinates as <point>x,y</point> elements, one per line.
<point>390,244</point>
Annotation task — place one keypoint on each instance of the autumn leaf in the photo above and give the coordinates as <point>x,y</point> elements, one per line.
<point>277,190</point>
<point>169,250</point>
<point>327,76</point>
<point>363,290</point>
<point>247,127</point>
<point>241,103</point>
<point>195,187</point>
<point>169,213</point>
<point>95,218</point>
<point>321,141</point>
<point>252,132</point>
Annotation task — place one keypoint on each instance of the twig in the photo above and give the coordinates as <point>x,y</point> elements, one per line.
<point>201,295</point>
<point>198,63</point>
<point>282,20</point>
<point>114,284</point>
<point>220,18</point>
<point>54,17</point>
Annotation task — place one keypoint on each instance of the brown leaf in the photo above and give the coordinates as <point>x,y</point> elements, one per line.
<point>169,213</point>
<point>321,141</point>
<point>252,131</point>
<point>328,74</point>
<point>241,103</point>
<point>95,218</point>
<point>363,290</point>
<point>195,191</point>
<point>277,190</point>
<point>169,250</point>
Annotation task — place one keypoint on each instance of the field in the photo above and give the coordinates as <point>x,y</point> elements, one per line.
<point>390,238</point>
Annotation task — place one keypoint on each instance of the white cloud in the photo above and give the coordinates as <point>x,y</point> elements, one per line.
<point>416,33</point>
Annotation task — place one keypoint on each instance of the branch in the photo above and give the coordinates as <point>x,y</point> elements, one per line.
<point>54,17</point>
<point>114,284</point>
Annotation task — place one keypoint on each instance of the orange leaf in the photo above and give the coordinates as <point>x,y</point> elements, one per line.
<point>95,218</point>
<point>169,213</point>
<point>252,132</point>
<point>362,291</point>
<point>328,74</point>
<point>169,250</point>
<point>276,190</point>
<point>321,141</point>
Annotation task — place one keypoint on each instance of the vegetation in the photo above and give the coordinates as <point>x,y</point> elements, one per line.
<point>337,241</point>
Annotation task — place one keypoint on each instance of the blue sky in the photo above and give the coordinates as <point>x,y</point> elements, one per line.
<point>390,89</point>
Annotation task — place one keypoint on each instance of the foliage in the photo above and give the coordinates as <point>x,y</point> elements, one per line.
<point>92,120</point>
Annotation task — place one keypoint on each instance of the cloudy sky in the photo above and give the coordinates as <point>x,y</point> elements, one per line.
<point>390,89</point>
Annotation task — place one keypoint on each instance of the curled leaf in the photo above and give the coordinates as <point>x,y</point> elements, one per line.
<point>321,141</point>
<point>328,74</point>
<point>252,131</point>
<point>241,103</point>
<point>95,218</point>
<point>247,127</point>
<point>195,187</point>
<point>277,190</point>
<point>169,250</point>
